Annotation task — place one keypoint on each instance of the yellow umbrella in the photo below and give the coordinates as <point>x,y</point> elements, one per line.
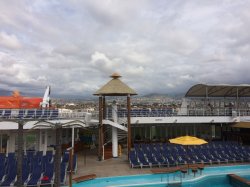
<point>187,140</point>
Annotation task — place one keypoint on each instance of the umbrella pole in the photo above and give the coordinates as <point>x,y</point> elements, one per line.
<point>187,163</point>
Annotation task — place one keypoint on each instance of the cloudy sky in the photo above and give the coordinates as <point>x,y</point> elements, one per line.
<point>162,46</point>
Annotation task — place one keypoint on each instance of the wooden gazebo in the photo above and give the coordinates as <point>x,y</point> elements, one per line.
<point>115,87</point>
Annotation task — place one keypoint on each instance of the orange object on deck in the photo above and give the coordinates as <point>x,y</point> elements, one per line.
<point>16,101</point>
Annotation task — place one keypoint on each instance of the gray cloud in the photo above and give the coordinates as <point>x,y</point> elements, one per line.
<point>157,46</point>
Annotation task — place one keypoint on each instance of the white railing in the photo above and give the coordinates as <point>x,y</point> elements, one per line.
<point>73,114</point>
<point>41,114</point>
<point>175,112</point>
<point>123,121</point>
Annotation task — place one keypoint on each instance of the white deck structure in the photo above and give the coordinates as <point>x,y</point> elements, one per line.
<point>41,124</point>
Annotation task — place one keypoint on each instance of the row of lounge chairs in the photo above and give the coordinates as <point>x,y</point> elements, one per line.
<point>37,169</point>
<point>29,114</point>
<point>149,155</point>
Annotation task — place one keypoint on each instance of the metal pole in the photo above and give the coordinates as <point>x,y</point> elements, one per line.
<point>129,125</point>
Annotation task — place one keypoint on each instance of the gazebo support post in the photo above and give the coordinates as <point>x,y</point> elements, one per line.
<point>20,154</point>
<point>58,155</point>
<point>70,165</point>
<point>104,107</point>
<point>129,124</point>
<point>100,139</point>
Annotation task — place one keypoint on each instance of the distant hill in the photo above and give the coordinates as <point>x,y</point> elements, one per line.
<point>156,95</point>
<point>173,95</point>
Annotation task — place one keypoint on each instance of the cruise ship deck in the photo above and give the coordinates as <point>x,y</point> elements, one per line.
<point>114,133</point>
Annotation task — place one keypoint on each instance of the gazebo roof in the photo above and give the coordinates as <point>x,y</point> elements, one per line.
<point>115,87</point>
<point>242,124</point>
<point>203,90</point>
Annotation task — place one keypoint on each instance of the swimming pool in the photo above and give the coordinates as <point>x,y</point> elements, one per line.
<point>211,176</point>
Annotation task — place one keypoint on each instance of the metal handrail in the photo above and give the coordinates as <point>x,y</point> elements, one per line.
<point>189,112</point>
<point>44,114</point>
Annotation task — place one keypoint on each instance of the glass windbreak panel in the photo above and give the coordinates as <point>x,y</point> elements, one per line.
<point>136,133</point>
<point>148,136</point>
<point>218,132</point>
<point>153,133</point>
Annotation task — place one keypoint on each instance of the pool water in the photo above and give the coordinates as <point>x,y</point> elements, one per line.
<point>210,177</point>
<point>215,181</point>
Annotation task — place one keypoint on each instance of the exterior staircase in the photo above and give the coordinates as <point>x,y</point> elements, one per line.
<point>108,140</point>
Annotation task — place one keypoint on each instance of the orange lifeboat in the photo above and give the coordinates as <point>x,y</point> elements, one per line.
<point>16,101</point>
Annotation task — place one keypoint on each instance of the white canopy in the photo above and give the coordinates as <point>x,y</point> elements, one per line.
<point>12,125</point>
<point>220,90</point>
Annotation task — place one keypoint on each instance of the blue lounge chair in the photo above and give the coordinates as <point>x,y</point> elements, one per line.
<point>65,157</point>
<point>30,114</point>
<point>2,158</point>
<point>2,171</point>
<point>10,160</point>
<point>26,173</point>
<point>133,160</point>
<point>160,159</point>
<point>54,114</point>
<point>39,113</point>
<point>30,154</point>
<point>7,114</point>
<point>142,159</point>
<point>171,161</point>
<point>46,114</point>
<point>49,155</point>
<point>21,114</point>
<point>35,176</point>
<point>180,160</point>
<point>48,175</point>
<point>152,161</point>
<point>10,177</point>
<point>63,173</point>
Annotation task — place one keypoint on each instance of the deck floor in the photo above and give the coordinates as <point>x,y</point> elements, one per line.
<point>89,164</point>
